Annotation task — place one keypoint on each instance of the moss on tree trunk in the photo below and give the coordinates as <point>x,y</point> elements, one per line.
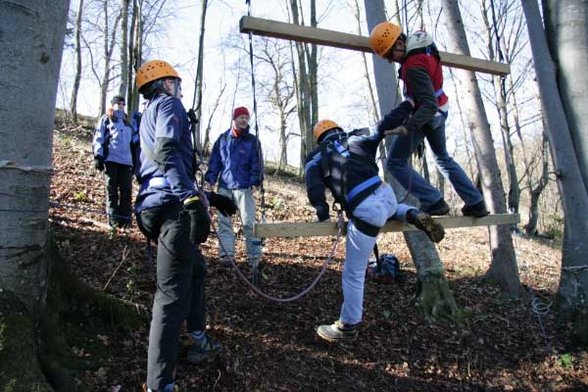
<point>19,369</point>
<point>435,298</point>
<point>34,352</point>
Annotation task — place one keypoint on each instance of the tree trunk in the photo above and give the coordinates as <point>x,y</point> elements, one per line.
<point>503,268</point>
<point>133,64</point>
<point>124,52</point>
<point>434,297</point>
<point>73,108</point>
<point>283,143</point>
<point>197,102</point>
<point>535,192</point>
<point>135,49</point>
<point>32,37</point>
<point>573,285</point>
<point>106,66</point>
<point>313,71</point>
<point>108,48</point>
<point>303,94</point>
<point>565,25</point>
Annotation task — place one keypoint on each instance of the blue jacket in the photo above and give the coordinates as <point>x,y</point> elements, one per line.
<point>351,172</point>
<point>236,162</point>
<point>167,165</point>
<point>112,139</point>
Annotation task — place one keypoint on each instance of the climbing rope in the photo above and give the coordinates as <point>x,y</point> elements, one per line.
<point>330,258</point>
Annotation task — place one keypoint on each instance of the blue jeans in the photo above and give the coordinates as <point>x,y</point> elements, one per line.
<point>404,145</point>
<point>376,209</point>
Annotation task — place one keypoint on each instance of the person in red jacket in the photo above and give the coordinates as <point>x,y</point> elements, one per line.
<point>422,75</point>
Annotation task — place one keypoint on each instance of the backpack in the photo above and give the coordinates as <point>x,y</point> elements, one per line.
<point>385,270</point>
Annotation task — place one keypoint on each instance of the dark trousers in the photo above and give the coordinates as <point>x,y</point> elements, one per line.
<point>180,295</point>
<point>119,190</point>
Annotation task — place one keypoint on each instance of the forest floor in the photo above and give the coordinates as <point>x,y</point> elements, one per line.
<point>498,344</point>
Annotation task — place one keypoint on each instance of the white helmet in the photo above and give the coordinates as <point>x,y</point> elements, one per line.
<point>417,40</point>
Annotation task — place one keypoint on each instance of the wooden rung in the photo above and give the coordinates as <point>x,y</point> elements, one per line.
<point>313,35</point>
<point>316,229</point>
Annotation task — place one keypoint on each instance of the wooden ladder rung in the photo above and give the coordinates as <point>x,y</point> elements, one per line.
<point>317,229</point>
<point>289,31</point>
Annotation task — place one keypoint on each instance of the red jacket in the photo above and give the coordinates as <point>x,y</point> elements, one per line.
<point>432,65</point>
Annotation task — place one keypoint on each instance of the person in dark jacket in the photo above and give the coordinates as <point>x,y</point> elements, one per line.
<point>112,155</point>
<point>236,162</point>
<point>171,210</point>
<point>346,165</point>
<point>422,75</point>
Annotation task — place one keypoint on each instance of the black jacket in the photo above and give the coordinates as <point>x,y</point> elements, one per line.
<point>350,170</point>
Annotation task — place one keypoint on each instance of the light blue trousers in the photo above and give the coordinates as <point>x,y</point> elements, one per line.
<point>245,202</point>
<point>376,209</point>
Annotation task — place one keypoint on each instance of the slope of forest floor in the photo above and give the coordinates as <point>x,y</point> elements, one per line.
<point>499,344</point>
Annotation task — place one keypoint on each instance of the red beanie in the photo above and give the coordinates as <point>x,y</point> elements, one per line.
<point>241,110</point>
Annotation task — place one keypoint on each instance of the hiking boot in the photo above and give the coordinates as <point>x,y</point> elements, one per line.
<point>438,208</point>
<point>423,221</point>
<point>203,349</point>
<point>338,331</point>
<point>477,210</point>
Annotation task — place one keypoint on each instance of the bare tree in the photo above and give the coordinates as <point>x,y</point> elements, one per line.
<point>124,52</point>
<point>536,190</point>
<point>135,54</point>
<point>306,81</point>
<point>109,35</point>
<point>503,268</point>
<point>217,100</point>
<point>73,107</point>
<point>197,101</point>
<point>278,89</point>
<point>559,117</point>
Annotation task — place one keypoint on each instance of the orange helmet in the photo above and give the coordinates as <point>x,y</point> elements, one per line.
<point>383,37</point>
<point>153,70</point>
<point>322,127</point>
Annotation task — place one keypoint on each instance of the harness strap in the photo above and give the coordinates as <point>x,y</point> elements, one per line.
<point>363,186</point>
<point>366,228</point>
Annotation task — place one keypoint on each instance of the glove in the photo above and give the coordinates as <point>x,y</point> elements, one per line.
<point>199,220</point>
<point>223,204</point>
<point>99,163</point>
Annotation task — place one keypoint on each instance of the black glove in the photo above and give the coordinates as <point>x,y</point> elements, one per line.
<point>199,220</point>
<point>223,204</point>
<point>99,163</point>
